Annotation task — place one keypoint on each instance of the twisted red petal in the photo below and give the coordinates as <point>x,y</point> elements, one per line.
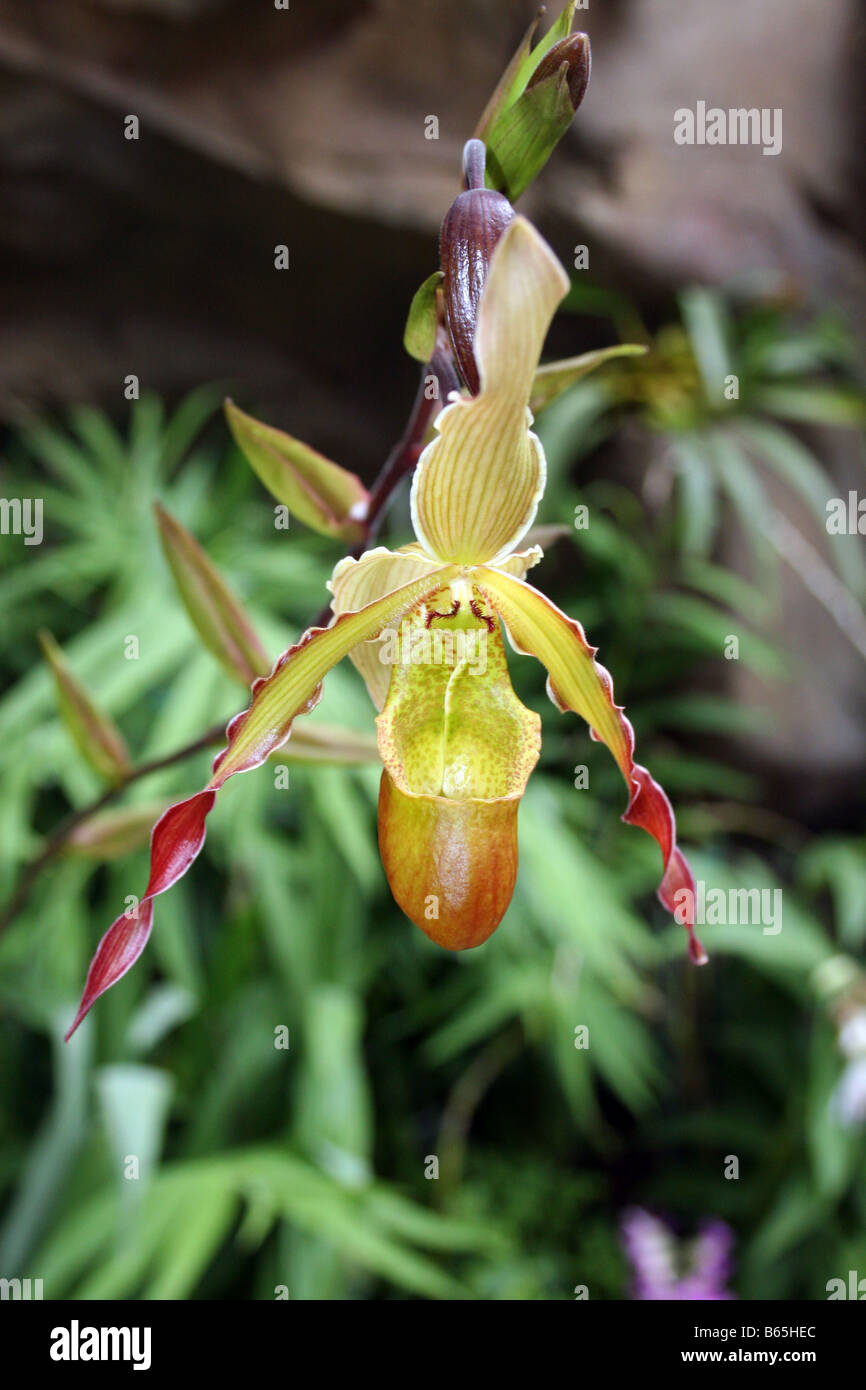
<point>294,687</point>
<point>576,681</point>
<point>116,953</point>
<point>650,808</point>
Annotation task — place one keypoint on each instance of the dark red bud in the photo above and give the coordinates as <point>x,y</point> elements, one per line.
<point>576,53</point>
<point>471,228</point>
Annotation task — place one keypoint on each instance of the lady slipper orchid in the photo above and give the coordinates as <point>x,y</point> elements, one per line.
<point>422,624</point>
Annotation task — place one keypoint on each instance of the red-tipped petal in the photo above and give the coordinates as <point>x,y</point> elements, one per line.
<point>652,811</point>
<point>116,953</point>
<point>292,688</point>
<point>576,681</point>
<point>175,842</point>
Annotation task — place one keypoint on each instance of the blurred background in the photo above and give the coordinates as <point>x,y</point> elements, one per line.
<point>302,1160</point>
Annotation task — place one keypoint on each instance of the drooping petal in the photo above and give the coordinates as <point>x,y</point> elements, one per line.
<point>355,583</point>
<point>116,953</point>
<point>477,484</point>
<point>577,682</point>
<point>293,688</point>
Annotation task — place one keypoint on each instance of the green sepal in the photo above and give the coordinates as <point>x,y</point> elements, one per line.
<point>522,65</point>
<point>95,735</point>
<point>555,377</point>
<point>523,136</point>
<point>215,612</point>
<point>327,498</point>
<point>419,338</point>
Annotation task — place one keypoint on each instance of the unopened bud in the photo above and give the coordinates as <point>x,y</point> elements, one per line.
<point>575,52</point>
<point>471,228</point>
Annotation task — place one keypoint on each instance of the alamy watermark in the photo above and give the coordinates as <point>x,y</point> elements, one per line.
<point>729,907</point>
<point>22,516</point>
<point>23,1289</point>
<point>422,646</point>
<point>737,126</point>
<point>846,516</point>
<point>77,1343</point>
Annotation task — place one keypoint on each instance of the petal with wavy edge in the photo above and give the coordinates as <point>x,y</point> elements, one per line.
<point>477,485</point>
<point>577,682</point>
<point>521,561</point>
<point>293,687</point>
<point>355,583</point>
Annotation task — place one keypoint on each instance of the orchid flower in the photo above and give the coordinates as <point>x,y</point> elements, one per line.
<point>664,1269</point>
<point>456,743</point>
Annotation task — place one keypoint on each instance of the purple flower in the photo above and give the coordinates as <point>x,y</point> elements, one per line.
<point>664,1268</point>
<point>848,1101</point>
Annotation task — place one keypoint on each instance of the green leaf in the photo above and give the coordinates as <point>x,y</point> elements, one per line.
<point>214,610</point>
<point>709,332</point>
<point>698,495</point>
<point>164,1008</point>
<point>53,1152</point>
<point>134,1101</point>
<point>555,377</point>
<point>832,1148</point>
<point>813,403</point>
<point>710,628</point>
<point>419,338</point>
<point>791,460</point>
<point>729,588</point>
<point>94,734</point>
<point>333,1106</point>
<point>321,494</point>
<point>740,481</point>
<point>840,865</point>
<point>191,1242</point>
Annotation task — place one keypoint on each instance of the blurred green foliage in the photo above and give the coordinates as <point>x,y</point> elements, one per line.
<point>306,1168</point>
